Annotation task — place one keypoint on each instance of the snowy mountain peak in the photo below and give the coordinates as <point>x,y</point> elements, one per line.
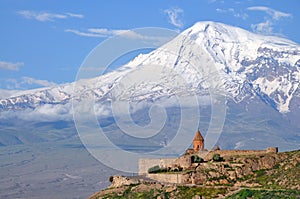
<point>268,64</point>
<point>248,65</point>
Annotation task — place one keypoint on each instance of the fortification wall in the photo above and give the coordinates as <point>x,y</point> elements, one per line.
<point>174,178</point>
<point>226,153</point>
<point>185,161</point>
<point>145,164</point>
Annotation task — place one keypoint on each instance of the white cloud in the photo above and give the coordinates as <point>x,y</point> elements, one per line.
<point>46,16</point>
<point>174,15</point>
<point>84,34</point>
<point>40,82</point>
<point>106,32</point>
<point>233,12</point>
<point>214,1</point>
<point>74,15</point>
<point>12,83</point>
<point>44,113</point>
<point>10,66</point>
<point>130,34</point>
<point>275,14</point>
<point>220,10</point>
<point>100,32</point>
<point>266,27</point>
<point>103,33</point>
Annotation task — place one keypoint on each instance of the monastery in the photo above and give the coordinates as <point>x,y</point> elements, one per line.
<point>192,158</point>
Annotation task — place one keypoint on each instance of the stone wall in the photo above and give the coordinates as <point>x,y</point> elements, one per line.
<point>226,153</point>
<point>183,161</point>
<point>174,178</point>
<point>145,164</point>
<point>272,150</point>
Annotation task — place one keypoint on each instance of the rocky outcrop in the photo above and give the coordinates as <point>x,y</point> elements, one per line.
<point>119,181</point>
<point>233,168</point>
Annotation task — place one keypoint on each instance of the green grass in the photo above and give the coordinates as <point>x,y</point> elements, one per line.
<point>265,194</point>
<point>189,192</point>
<point>183,192</point>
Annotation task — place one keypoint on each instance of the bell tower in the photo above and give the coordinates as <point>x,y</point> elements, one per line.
<point>198,142</point>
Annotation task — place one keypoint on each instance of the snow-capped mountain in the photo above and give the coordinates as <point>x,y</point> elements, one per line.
<point>245,65</point>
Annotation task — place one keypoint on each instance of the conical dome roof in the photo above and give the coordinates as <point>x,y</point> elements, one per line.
<point>198,136</point>
<point>217,148</point>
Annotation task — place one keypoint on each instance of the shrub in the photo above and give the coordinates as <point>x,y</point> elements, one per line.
<point>260,173</point>
<point>276,166</point>
<point>157,169</point>
<point>180,168</point>
<point>197,159</point>
<point>245,193</point>
<point>111,178</point>
<point>217,158</point>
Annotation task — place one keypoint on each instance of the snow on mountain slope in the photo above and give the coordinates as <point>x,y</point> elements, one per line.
<point>270,65</point>
<point>247,64</point>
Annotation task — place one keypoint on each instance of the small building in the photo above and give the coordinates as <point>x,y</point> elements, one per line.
<point>198,142</point>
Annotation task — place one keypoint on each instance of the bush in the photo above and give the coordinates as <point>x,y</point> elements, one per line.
<point>154,169</point>
<point>217,158</point>
<point>197,159</point>
<point>260,173</point>
<point>157,169</point>
<point>245,193</point>
<point>111,178</point>
<point>180,168</point>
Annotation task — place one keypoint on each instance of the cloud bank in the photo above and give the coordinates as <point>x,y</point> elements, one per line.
<point>44,113</point>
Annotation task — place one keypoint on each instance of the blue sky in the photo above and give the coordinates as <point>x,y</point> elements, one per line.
<point>43,43</point>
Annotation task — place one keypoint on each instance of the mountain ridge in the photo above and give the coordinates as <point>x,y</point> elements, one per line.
<point>243,68</point>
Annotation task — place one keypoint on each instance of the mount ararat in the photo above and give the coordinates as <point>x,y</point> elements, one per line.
<point>259,76</point>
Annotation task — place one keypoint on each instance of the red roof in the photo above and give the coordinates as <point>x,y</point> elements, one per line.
<point>198,136</point>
